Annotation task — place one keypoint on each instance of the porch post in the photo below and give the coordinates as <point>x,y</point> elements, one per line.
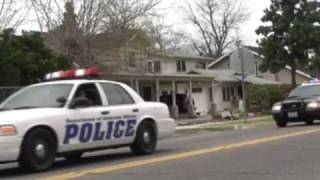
<point>173,95</point>
<point>190,92</point>
<point>212,92</point>
<point>158,90</point>
<point>131,83</point>
<point>137,87</point>
<point>213,107</point>
<point>190,106</point>
<point>174,108</point>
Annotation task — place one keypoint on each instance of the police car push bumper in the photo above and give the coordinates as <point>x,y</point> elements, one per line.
<point>9,148</point>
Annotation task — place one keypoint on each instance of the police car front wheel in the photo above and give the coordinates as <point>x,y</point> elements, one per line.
<point>38,150</point>
<point>309,121</point>
<point>281,123</point>
<point>146,139</point>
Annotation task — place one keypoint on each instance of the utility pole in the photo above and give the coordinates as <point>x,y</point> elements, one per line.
<point>243,83</point>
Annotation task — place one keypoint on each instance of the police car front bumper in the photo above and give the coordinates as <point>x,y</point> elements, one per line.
<point>9,148</point>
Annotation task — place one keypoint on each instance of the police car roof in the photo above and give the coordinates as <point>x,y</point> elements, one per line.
<point>75,81</point>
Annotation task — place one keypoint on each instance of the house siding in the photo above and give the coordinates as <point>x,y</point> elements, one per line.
<point>224,64</point>
<point>285,77</point>
<point>248,59</point>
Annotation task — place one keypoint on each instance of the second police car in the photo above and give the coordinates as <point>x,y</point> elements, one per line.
<point>69,117</point>
<point>302,105</point>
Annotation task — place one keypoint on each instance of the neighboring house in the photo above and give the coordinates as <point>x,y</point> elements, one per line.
<point>252,61</point>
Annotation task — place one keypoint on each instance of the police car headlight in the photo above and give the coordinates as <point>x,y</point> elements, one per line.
<point>8,130</point>
<point>313,105</point>
<point>276,108</point>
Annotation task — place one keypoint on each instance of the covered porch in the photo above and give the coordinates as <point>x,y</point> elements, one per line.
<point>187,96</point>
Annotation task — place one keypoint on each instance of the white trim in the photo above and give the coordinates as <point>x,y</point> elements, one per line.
<point>299,72</point>
<point>220,59</point>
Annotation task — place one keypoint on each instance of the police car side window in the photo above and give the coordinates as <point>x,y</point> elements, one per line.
<point>90,92</point>
<point>116,95</point>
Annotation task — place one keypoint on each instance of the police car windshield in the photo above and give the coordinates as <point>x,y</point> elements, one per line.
<point>39,97</point>
<point>305,91</point>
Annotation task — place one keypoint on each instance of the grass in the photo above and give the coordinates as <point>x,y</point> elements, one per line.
<point>232,125</point>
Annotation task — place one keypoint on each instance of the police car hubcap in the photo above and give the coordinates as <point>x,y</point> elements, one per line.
<point>40,150</point>
<point>146,137</point>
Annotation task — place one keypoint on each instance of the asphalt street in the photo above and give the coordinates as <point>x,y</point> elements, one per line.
<point>260,153</point>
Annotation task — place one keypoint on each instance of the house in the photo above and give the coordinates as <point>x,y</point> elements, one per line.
<point>183,82</point>
<point>252,61</point>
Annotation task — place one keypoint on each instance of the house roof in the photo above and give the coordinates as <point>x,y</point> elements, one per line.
<point>260,81</point>
<point>192,57</point>
<point>254,51</point>
<point>218,75</point>
<point>220,59</point>
<point>231,76</point>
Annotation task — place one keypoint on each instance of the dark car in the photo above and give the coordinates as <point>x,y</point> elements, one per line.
<point>302,105</point>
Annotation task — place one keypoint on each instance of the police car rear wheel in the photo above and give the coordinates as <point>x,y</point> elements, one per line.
<point>281,123</point>
<point>146,139</point>
<point>38,151</point>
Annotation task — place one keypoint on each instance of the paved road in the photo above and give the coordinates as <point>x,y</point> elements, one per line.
<point>259,153</point>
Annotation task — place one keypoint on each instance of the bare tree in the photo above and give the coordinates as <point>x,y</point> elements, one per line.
<point>75,22</point>
<point>215,20</point>
<point>164,37</point>
<point>11,14</point>
<point>88,14</point>
<point>125,14</point>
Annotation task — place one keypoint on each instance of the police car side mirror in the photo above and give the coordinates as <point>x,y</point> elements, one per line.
<point>79,102</point>
<point>62,100</point>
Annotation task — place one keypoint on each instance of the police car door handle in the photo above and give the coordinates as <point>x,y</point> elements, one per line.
<point>135,110</point>
<point>105,112</point>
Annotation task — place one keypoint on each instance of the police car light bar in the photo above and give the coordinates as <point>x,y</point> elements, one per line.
<point>73,74</point>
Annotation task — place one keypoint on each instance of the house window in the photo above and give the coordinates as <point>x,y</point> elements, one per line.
<point>181,66</point>
<point>132,60</point>
<point>224,93</point>
<point>240,92</point>
<point>150,67</point>
<point>197,90</point>
<point>157,67</point>
<point>154,67</point>
<point>229,94</point>
<point>200,65</point>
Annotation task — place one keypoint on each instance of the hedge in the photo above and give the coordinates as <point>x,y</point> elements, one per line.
<point>260,98</point>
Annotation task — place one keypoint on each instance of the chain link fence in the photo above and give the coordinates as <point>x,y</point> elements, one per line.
<point>6,92</point>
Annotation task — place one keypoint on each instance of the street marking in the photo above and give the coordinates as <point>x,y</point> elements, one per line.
<point>139,163</point>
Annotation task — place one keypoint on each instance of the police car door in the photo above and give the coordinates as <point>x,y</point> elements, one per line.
<point>85,126</point>
<point>124,113</point>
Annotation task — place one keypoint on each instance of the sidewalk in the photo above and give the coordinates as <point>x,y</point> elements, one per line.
<point>199,123</point>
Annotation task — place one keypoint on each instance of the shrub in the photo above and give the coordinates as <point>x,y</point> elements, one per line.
<point>260,98</point>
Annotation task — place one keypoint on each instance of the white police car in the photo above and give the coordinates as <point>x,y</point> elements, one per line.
<point>66,118</point>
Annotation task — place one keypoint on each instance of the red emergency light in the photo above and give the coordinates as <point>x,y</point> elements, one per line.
<point>73,74</point>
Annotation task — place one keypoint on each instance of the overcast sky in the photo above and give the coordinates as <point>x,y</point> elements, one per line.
<point>247,30</point>
<point>173,14</point>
